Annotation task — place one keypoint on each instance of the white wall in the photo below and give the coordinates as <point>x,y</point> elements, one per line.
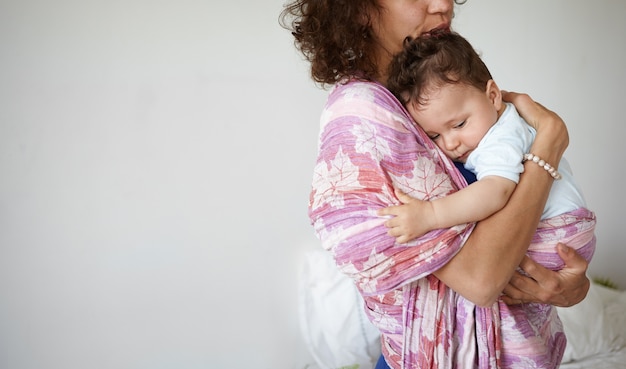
<point>155,161</point>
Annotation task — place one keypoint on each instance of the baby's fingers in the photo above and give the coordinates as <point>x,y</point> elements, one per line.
<point>402,239</point>
<point>402,196</point>
<point>390,210</point>
<point>391,223</point>
<point>398,234</point>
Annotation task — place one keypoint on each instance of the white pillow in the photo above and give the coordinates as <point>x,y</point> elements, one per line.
<point>333,323</point>
<point>590,326</point>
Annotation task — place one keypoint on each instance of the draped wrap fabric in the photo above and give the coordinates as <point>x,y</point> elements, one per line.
<point>532,334</point>
<point>367,145</point>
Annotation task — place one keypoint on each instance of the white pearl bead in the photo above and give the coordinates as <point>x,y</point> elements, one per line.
<point>542,163</point>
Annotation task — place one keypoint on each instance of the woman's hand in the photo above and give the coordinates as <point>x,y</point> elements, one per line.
<point>563,288</point>
<point>551,126</point>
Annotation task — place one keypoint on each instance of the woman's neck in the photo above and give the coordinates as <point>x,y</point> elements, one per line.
<point>383,60</point>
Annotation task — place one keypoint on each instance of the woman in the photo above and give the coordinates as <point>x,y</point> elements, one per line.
<point>432,299</point>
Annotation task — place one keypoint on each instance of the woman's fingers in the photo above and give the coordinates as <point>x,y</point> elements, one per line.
<point>565,287</point>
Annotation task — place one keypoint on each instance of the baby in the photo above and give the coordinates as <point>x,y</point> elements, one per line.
<point>450,93</point>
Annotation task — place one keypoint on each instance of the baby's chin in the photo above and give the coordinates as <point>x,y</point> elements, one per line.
<point>461,159</point>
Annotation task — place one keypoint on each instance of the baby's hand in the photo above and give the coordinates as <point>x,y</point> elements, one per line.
<point>411,219</point>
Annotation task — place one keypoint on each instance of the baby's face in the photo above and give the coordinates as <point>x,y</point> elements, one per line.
<point>456,117</point>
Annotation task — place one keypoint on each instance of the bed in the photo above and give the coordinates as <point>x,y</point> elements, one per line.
<point>338,335</point>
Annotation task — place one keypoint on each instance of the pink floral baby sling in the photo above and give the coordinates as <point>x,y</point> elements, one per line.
<point>367,142</point>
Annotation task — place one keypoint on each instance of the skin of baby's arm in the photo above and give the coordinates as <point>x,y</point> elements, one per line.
<point>476,202</point>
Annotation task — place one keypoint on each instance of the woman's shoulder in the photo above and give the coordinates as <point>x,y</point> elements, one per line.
<point>369,100</point>
<point>363,91</point>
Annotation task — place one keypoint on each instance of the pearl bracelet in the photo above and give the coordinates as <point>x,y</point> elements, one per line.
<point>542,163</point>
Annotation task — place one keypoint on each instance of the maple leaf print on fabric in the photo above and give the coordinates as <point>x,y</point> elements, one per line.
<point>368,141</point>
<point>332,175</point>
<point>378,267</point>
<point>430,185</point>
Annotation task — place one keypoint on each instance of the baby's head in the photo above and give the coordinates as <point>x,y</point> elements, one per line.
<point>433,60</point>
<point>448,90</point>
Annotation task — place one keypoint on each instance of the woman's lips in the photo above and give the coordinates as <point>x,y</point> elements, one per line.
<point>442,27</point>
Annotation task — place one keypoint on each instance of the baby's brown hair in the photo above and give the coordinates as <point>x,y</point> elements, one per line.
<point>432,60</point>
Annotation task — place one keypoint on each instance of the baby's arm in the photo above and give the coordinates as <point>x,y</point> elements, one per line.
<point>476,202</point>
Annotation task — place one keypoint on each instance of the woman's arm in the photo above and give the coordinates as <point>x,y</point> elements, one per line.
<point>483,267</point>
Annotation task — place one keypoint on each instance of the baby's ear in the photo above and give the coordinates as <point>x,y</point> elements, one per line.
<point>494,94</point>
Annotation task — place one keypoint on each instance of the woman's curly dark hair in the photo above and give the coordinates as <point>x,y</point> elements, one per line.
<point>335,36</point>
